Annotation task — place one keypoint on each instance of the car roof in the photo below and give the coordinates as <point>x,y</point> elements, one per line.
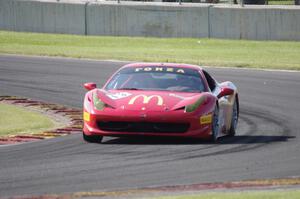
<point>176,65</point>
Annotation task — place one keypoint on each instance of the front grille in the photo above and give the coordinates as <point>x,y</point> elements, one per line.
<point>144,127</point>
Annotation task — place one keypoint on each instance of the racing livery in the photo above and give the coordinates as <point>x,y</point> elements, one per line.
<point>153,99</point>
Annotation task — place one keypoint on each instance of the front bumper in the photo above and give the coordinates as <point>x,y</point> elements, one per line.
<point>195,128</point>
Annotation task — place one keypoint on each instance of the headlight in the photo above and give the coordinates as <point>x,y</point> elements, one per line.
<point>98,104</point>
<point>192,107</point>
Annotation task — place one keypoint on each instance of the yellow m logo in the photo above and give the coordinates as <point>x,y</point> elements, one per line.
<point>147,99</point>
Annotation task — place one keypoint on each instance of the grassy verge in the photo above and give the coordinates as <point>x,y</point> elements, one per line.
<point>292,194</point>
<point>281,2</point>
<point>212,52</point>
<point>16,120</point>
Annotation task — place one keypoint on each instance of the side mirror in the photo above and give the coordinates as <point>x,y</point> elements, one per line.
<point>90,86</point>
<point>225,91</point>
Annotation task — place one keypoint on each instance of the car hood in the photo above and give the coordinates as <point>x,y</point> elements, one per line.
<point>147,100</point>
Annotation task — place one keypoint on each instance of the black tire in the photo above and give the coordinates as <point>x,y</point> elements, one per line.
<point>215,125</point>
<point>234,118</point>
<point>92,138</point>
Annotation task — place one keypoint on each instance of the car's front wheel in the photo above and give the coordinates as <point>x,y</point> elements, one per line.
<point>234,119</point>
<point>92,138</point>
<point>215,125</point>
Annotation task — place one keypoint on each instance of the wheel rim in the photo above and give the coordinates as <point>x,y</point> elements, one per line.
<point>234,116</point>
<point>215,125</point>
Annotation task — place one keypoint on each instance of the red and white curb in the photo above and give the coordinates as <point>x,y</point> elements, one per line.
<point>73,115</point>
<point>248,185</point>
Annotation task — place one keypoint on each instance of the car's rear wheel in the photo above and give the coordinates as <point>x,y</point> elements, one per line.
<point>92,138</point>
<point>215,125</point>
<point>234,118</point>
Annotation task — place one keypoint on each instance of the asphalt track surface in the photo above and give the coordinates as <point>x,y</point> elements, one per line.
<point>267,144</point>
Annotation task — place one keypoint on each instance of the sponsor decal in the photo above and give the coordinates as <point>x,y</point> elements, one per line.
<point>206,119</point>
<point>146,99</point>
<point>120,95</point>
<point>160,69</point>
<point>86,116</point>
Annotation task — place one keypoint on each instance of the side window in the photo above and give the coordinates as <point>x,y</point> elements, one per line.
<point>211,82</point>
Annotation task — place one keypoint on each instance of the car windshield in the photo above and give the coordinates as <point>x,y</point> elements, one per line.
<point>157,78</point>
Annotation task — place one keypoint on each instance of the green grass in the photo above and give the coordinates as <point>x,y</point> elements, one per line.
<point>292,194</point>
<point>211,52</point>
<point>281,2</point>
<point>17,120</point>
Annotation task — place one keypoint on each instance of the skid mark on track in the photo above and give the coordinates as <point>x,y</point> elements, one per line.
<point>256,129</point>
<point>256,134</point>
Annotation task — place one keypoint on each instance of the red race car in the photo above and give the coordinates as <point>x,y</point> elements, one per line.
<point>152,99</point>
